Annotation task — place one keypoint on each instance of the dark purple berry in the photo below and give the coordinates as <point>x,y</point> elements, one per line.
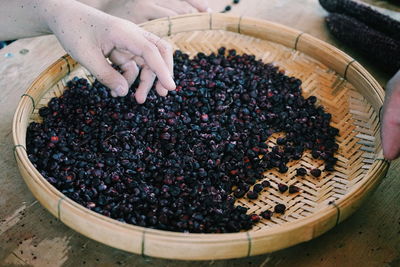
<point>255,218</point>
<point>267,214</point>
<point>283,168</point>
<point>282,188</point>
<point>301,172</point>
<point>265,183</point>
<point>252,195</point>
<point>280,208</point>
<point>258,188</point>
<point>315,172</point>
<point>281,141</point>
<point>293,189</point>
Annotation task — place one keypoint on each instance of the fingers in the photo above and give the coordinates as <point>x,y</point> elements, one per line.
<point>147,78</point>
<point>180,7</point>
<point>159,87</point>
<point>200,5</point>
<point>152,57</point>
<point>161,90</point>
<point>167,54</point>
<point>165,50</point>
<point>130,71</point>
<point>391,120</point>
<point>97,64</point>
<point>161,12</point>
<point>129,66</point>
<point>125,61</point>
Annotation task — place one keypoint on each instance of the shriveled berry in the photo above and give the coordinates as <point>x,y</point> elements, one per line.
<point>44,111</point>
<point>315,172</point>
<point>265,183</point>
<point>165,136</point>
<point>293,189</point>
<point>283,168</point>
<point>258,188</point>
<point>281,140</point>
<point>239,193</point>
<point>280,208</point>
<point>255,218</point>
<point>252,195</point>
<point>266,214</point>
<point>301,172</point>
<point>282,188</point>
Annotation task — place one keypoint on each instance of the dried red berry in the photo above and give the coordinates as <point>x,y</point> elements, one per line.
<point>267,214</point>
<point>255,218</point>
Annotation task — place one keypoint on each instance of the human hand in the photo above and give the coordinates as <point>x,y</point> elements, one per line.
<point>91,36</point>
<point>139,11</point>
<point>391,119</point>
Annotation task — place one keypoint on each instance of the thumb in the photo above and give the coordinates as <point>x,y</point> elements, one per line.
<point>200,5</point>
<point>99,67</point>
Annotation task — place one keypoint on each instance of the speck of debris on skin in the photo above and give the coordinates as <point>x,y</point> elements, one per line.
<point>24,51</point>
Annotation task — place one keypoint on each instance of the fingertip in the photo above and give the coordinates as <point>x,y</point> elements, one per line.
<point>161,91</point>
<point>390,155</point>
<point>169,85</point>
<point>140,99</point>
<point>121,90</point>
<point>113,94</point>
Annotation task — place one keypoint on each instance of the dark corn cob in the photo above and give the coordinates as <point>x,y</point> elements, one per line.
<point>365,14</point>
<point>384,50</point>
<point>396,2</point>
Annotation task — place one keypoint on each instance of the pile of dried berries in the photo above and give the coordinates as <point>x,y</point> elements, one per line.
<point>178,163</point>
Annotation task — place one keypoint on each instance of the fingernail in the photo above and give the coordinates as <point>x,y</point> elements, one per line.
<point>119,91</point>
<point>209,10</point>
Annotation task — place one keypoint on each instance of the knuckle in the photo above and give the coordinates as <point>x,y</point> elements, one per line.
<point>149,49</point>
<point>165,46</point>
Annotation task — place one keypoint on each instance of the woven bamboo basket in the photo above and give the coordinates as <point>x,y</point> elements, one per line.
<point>343,87</point>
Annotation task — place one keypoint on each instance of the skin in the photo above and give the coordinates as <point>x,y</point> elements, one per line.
<point>139,11</point>
<point>91,37</point>
<point>391,120</point>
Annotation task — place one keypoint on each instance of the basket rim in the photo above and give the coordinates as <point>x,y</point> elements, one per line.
<point>322,215</point>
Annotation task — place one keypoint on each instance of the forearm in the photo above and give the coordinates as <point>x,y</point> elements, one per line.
<point>98,4</point>
<point>23,18</point>
<point>27,18</point>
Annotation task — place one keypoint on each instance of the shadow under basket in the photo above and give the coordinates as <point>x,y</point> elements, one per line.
<point>343,87</point>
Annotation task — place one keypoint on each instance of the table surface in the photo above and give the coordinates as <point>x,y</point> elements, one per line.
<point>31,236</point>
